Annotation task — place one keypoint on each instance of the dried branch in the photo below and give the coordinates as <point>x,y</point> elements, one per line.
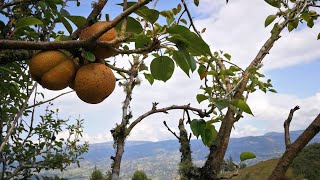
<point>165,124</point>
<point>71,44</point>
<point>287,126</point>
<point>154,110</point>
<point>117,69</point>
<point>49,100</point>
<point>294,149</point>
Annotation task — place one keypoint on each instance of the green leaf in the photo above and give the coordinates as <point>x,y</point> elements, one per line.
<point>202,71</point>
<point>273,90</point>
<point>190,59</point>
<point>150,15</point>
<point>201,97</point>
<point>149,78</point>
<point>228,56</point>
<point>293,24</point>
<point>306,17</point>
<point>318,36</point>
<point>197,126</point>
<point>209,135</point>
<point>195,45</point>
<point>77,20</point>
<point>28,21</point>
<point>274,3</point>
<point>196,2</point>
<point>133,26</point>
<point>162,68</point>
<point>310,23</point>
<point>269,20</point>
<point>141,40</point>
<point>242,105</point>
<point>221,104</point>
<point>65,23</point>
<point>180,59</point>
<point>247,155</point>
<point>64,12</point>
<point>6,70</point>
<point>88,55</point>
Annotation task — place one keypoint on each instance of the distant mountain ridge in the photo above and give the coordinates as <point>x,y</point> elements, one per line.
<point>160,159</point>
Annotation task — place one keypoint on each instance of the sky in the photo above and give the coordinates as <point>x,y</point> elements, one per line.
<point>236,28</point>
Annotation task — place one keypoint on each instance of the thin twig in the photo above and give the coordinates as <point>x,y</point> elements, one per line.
<point>14,122</point>
<point>190,17</point>
<point>43,102</point>
<point>165,124</point>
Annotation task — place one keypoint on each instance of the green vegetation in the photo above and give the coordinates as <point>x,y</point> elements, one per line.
<point>262,170</point>
<point>308,162</point>
<point>306,165</point>
<point>139,175</point>
<point>97,174</point>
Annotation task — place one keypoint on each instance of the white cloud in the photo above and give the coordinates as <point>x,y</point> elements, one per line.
<point>238,29</point>
<point>272,109</point>
<point>246,130</point>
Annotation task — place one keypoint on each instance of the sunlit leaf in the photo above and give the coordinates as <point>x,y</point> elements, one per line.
<point>201,97</point>
<point>247,155</point>
<point>242,105</point>
<point>28,21</point>
<point>162,68</point>
<point>197,126</point>
<point>269,20</point>
<point>149,78</point>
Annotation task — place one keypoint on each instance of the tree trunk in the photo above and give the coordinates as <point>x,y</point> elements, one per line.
<point>294,149</point>
<point>213,165</point>
<point>117,160</point>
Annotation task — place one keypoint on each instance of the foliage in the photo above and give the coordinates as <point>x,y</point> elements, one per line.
<point>53,178</point>
<point>139,175</point>
<point>262,170</point>
<point>28,142</point>
<point>307,162</point>
<point>97,174</point>
<point>162,41</point>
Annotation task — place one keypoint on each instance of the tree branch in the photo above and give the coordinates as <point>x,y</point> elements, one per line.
<point>12,3</point>
<point>165,124</point>
<point>294,149</point>
<point>43,102</point>
<point>165,110</point>
<point>287,126</point>
<point>14,122</point>
<point>71,44</point>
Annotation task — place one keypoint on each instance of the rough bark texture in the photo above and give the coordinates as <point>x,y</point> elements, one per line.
<point>117,159</point>
<point>186,168</point>
<point>294,149</point>
<point>287,125</point>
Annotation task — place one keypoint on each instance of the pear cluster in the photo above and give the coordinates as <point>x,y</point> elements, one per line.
<point>93,82</point>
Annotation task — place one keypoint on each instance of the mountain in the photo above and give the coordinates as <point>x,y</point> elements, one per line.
<point>160,159</point>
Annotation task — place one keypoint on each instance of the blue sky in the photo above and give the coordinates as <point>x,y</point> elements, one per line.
<point>236,28</point>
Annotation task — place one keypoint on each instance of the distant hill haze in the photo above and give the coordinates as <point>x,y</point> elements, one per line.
<point>160,159</point>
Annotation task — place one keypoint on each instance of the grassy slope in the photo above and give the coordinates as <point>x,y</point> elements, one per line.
<point>262,171</point>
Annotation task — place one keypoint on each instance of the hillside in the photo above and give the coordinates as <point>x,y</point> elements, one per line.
<point>160,159</point>
<point>262,170</point>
